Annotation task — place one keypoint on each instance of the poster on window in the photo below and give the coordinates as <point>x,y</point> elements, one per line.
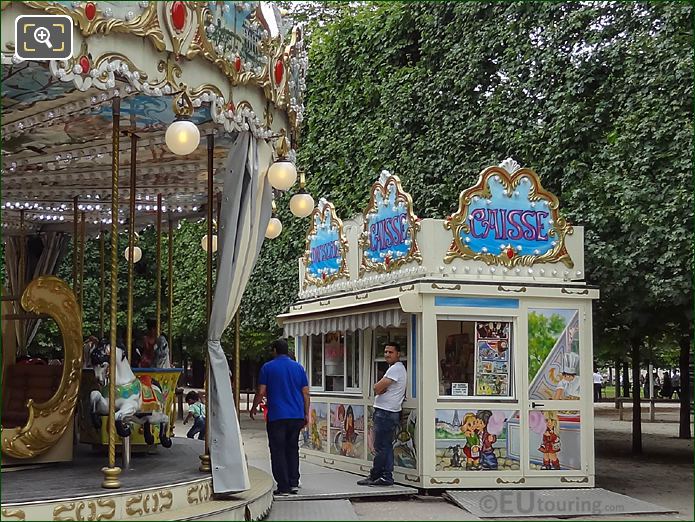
<point>492,364</point>
<point>347,430</point>
<point>553,354</point>
<point>476,440</point>
<point>404,440</point>
<point>314,436</point>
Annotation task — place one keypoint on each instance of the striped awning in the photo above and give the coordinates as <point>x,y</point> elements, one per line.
<point>343,322</point>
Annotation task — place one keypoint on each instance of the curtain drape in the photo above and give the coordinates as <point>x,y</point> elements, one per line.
<point>53,248</point>
<point>246,209</point>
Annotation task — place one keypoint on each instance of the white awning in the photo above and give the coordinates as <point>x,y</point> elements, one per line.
<point>344,322</point>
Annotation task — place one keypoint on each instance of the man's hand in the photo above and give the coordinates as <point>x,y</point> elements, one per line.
<point>307,420</point>
<point>185,422</point>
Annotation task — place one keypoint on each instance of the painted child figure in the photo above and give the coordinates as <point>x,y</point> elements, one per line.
<point>550,446</point>
<point>488,459</point>
<point>196,410</point>
<point>472,447</point>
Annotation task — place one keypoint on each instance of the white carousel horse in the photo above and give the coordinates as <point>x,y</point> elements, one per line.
<point>130,404</point>
<point>161,353</point>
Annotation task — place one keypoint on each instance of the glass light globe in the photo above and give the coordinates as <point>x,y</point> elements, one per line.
<point>182,137</point>
<point>274,228</point>
<point>137,254</point>
<point>204,242</point>
<point>282,174</point>
<point>302,204</point>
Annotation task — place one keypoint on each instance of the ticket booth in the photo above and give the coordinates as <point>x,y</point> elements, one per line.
<point>493,316</point>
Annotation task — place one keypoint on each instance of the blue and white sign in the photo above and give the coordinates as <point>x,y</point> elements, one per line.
<point>388,237</point>
<point>325,258</point>
<point>509,219</point>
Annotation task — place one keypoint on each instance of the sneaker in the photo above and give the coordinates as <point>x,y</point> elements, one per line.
<point>365,482</point>
<point>279,493</point>
<point>294,491</point>
<point>381,481</point>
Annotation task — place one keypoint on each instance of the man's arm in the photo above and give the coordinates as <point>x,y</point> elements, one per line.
<point>260,393</point>
<point>307,403</point>
<point>381,386</point>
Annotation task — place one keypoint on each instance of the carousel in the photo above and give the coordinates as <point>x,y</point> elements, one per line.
<point>164,111</point>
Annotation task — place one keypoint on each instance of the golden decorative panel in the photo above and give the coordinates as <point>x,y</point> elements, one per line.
<point>199,493</point>
<point>100,509</point>
<point>508,219</point>
<point>145,503</point>
<point>48,420</point>
<point>14,514</point>
<point>389,230</point>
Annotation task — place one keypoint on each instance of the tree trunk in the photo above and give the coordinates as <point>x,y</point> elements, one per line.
<point>684,393</point>
<point>617,383</point>
<point>636,401</point>
<point>626,378</point>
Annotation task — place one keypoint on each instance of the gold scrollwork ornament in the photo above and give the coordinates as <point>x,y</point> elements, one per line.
<point>48,420</point>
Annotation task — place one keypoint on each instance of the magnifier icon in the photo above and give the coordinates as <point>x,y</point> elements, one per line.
<point>43,35</point>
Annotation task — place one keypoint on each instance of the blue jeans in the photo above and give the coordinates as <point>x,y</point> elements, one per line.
<point>197,428</point>
<point>385,423</point>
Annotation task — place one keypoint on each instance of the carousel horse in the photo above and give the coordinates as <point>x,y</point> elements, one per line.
<point>161,353</point>
<point>137,400</point>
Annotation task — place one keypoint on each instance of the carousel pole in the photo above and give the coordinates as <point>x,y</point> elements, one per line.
<point>111,472</point>
<point>21,275</point>
<point>82,245</point>
<point>102,290</point>
<point>131,241</point>
<point>170,285</point>
<point>159,264</point>
<point>205,459</point>
<point>75,248</point>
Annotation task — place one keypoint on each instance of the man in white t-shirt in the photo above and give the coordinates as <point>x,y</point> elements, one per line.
<point>598,384</point>
<point>390,393</point>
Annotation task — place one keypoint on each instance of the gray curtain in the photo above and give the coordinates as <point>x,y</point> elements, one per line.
<point>46,263</point>
<point>246,209</point>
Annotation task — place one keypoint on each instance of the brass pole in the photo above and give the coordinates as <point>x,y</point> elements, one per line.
<point>159,265</point>
<point>102,290</point>
<point>111,472</point>
<point>237,362</point>
<point>205,459</point>
<point>81,261</point>
<point>131,241</point>
<point>75,248</point>
<point>219,222</point>
<point>21,275</point>
<point>170,285</point>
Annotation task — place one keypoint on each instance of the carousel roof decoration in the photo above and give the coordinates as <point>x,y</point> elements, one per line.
<point>238,66</point>
<point>508,219</point>
<point>325,256</point>
<point>388,240</point>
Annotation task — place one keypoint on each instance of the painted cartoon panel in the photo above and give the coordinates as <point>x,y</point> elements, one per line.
<point>554,440</point>
<point>314,436</point>
<point>553,347</point>
<point>476,440</point>
<point>347,430</point>
<point>404,442</point>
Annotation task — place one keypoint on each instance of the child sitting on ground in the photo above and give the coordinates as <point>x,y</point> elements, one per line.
<point>196,409</point>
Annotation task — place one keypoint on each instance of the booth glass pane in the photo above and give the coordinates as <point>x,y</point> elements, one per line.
<point>316,358</point>
<point>474,358</point>
<point>334,361</point>
<point>553,354</point>
<point>476,440</point>
<point>352,359</point>
<point>554,440</point>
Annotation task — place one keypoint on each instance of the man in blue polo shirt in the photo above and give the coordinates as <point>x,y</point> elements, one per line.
<point>284,382</point>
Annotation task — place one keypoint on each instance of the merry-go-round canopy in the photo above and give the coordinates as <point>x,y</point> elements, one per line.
<point>238,65</point>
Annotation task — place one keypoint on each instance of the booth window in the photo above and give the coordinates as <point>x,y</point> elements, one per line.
<point>335,361</point>
<point>475,358</point>
<point>380,338</point>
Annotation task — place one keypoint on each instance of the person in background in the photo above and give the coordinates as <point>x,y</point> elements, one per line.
<point>667,387</point>
<point>676,382</point>
<point>598,384</point>
<point>196,410</point>
<point>285,384</point>
<point>390,393</point>
<point>148,343</point>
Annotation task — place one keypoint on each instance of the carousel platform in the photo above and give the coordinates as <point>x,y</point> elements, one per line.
<point>165,485</point>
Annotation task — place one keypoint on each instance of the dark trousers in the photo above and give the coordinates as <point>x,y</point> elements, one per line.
<point>197,428</point>
<point>385,423</point>
<point>597,392</point>
<point>283,440</point>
